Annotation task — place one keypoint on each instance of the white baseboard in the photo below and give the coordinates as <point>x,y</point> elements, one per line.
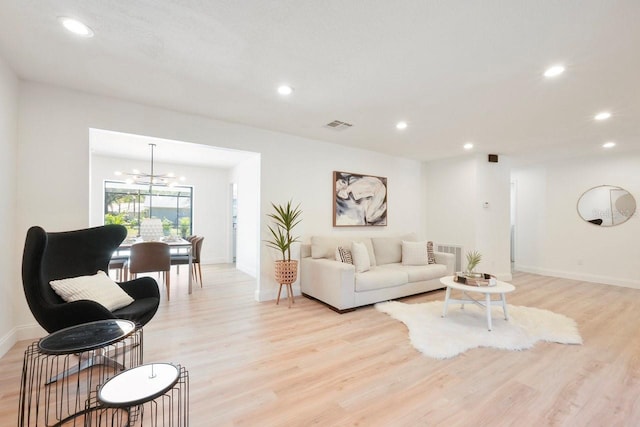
<point>217,260</point>
<point>505,277</point>
<point>30,332</point>
<point>20,333</point>
<point>251,271</point>
<point>593,278</point>
<point>272,294</point>
<point>7,341</point>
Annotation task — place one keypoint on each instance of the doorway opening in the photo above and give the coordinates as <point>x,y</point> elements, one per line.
<point>209,171</point>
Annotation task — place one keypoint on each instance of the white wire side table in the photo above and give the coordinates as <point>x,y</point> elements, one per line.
<point>61,370</point>
<point>155,394</point>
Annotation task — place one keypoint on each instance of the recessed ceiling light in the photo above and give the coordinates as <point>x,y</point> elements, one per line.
<point>76,27</point>
<point>602,116</point>
<point>285,90</point>
<point>401,125</point>
<point>468,146</point>
<point>554,71</point>
<point>609,144</point>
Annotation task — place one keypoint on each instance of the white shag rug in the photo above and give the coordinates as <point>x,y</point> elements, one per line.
<point>463,329</point>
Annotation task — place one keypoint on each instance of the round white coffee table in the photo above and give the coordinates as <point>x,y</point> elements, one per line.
<point>501,288</point>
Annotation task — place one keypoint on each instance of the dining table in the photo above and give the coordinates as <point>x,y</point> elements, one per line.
<point>178,246</point>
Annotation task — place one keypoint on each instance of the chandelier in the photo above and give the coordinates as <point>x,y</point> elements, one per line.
<point>152,178</point>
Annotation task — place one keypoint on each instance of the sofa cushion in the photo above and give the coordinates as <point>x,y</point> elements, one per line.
<point>417,273</point>
<point>321,246</point>
<point>414,253</point>
<point>360,257</point>
<point>379,278</point>
<point>325,246</point>
<point>389,249</point>
<point>305,250</point>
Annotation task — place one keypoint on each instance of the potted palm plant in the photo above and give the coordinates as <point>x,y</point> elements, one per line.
<point>285,218</point>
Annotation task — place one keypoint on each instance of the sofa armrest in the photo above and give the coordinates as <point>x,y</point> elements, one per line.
<point>330,281</point>
<point>446,259</point>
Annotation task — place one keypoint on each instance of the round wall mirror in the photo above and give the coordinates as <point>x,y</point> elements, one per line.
<point>606,205</point>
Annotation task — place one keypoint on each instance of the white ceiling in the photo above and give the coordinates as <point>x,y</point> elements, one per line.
<point>455,70</point>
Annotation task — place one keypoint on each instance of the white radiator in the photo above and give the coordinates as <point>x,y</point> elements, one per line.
<point>452,249</point>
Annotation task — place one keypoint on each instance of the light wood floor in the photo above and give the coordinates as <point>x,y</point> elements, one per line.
<point>258,364</point>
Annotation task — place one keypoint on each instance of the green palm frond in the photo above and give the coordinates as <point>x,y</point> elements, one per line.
<point>285,218</point>
<point>279,241</point>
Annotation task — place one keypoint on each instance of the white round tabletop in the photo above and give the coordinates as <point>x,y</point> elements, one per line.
<point>499,288</point>
<point>138,385</point>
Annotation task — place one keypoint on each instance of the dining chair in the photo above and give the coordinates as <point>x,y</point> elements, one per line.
<point>118,263</point>
<point>196,247</point>
<point>147,257</point>
<point>184,258</point>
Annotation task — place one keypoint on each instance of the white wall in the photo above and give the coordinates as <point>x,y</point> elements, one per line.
<point>455,192</point>
<point>552,239</point>
<point>210,199</point>
<point>308,180</point>
<point>493,209</point>
<point>10,281</point>
<point>54,157</point>
<point>247,177</point>
<point>450,201</point>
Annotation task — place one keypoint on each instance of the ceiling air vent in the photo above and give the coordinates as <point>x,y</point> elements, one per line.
<point>338,125</point>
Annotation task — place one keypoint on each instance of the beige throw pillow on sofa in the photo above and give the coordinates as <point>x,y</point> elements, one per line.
<point>360,256</point>
<point>414,253</point>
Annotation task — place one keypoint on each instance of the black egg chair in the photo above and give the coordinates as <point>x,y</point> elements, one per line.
<point>52,256</point>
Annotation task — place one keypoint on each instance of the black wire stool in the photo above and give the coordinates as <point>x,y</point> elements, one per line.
<point>155,394</point>
<point>60,371</point>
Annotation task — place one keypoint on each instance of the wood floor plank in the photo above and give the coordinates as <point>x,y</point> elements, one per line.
<point>258,364</point>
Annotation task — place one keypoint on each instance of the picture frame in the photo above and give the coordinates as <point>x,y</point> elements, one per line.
<point>359,200</point>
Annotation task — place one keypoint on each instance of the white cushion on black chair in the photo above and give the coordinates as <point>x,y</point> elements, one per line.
<point>99,288</point>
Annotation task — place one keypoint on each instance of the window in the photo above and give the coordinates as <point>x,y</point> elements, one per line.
<point>129,204</point>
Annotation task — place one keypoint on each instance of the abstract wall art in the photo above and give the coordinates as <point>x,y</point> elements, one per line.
<point>359,200</point>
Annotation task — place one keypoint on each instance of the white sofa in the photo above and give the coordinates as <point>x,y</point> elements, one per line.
<point>338,285</point>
